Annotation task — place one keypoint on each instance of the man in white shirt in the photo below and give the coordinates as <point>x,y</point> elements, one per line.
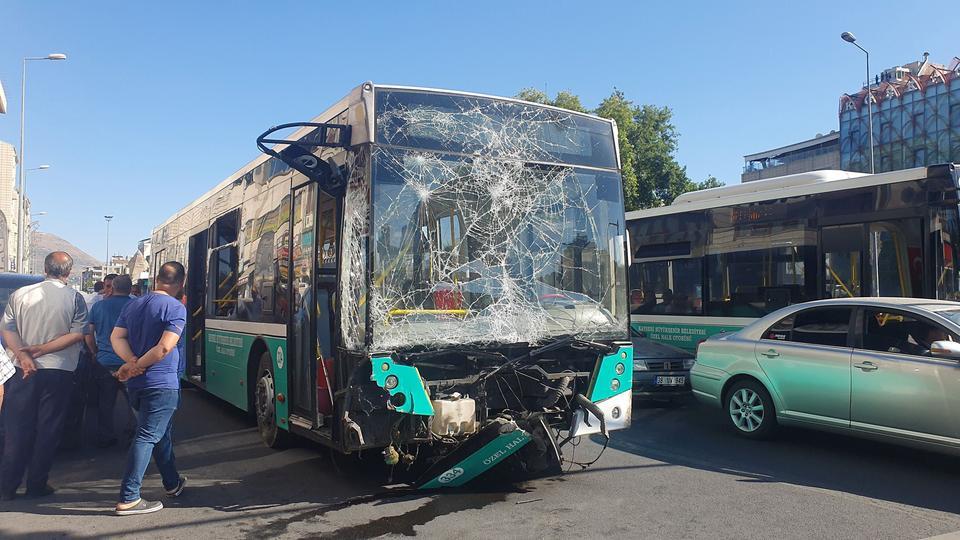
<point>42,328</point>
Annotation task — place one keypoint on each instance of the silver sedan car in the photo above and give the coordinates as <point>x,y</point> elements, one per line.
<point>878,367</point>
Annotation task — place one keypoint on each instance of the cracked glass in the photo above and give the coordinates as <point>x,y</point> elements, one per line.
<point>492,222</point>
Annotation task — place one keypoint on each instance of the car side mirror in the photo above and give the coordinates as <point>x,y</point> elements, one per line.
<point>945,349</point>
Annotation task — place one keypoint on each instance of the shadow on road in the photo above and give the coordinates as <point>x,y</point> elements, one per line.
<point>691,435</point>
<point>232,476</point>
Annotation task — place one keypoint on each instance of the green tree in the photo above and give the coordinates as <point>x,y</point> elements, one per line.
<point>533,95</point>
<point>564,99</point>
<point>710,182</point>
<point>568,100</point>
<point>654,138</point>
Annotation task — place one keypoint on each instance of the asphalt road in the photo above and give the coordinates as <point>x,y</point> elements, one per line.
<point>677,473</point>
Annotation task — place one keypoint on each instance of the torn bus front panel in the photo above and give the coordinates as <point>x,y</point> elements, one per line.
<point>460,413</point>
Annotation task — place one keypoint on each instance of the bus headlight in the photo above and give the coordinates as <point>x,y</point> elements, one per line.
<point>688,363</point>
<point>639,365</point>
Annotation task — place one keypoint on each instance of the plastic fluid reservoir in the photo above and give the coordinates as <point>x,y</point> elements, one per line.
<point>454,416</point>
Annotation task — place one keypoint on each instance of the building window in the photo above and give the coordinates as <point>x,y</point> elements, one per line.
<point>854,139</point>
<point>955,115</point>
<point>886,133</point>
<point>919,157</point>
<point>918,123</point>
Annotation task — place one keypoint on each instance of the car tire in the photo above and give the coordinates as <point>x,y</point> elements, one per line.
<point>265,405</point>
<point>749,410</point>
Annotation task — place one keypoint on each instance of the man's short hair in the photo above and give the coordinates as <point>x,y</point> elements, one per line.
<point>98,286</point>
<point>122,285</point>
<point>171,273</point>
<point>58,264</point>
<point>110,277</point>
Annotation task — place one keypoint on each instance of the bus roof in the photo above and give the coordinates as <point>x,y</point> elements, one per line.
<point>355,96</point>
<point>793,185</point>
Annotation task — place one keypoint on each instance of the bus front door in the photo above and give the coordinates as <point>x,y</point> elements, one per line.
<point>196,291</point>
<point>328,249</point>
<point>301,370</point>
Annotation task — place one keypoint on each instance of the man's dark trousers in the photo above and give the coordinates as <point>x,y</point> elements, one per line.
<point>106,387</point>
<point>34,412</point>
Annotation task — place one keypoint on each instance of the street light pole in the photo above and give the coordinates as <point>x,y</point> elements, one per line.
<point>850,38</point>
<point>21,200</point>
<point>34,229</point>
<point>106,268</point>
<point>27,258</point>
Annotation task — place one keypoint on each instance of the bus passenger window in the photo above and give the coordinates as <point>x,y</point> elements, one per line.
<point>666,287</point>
<point>896,258</point>
<point>225,285</point>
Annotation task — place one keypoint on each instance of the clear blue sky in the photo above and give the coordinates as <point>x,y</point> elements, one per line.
<point>159,101</point>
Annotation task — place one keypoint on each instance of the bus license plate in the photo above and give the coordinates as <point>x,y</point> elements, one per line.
<point>670,381</point>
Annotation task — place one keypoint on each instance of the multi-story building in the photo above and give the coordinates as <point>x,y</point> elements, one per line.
<point>92,274</point>
<point>916,118</point>
<point>8,208</point>
<point>819,153</point>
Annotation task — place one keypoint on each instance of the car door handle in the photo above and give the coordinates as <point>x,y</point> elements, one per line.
<point>771,353</point>
<point>866,366</point>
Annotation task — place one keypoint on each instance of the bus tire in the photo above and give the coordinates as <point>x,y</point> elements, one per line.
<point>265,405</point>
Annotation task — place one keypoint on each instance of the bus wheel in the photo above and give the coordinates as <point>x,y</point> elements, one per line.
<point>266,405</point>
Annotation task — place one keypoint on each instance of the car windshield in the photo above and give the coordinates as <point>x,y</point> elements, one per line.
<point>474,249</point>
<point>952,314</point>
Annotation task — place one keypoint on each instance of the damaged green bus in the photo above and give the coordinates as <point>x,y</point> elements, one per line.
<point>437,276</point>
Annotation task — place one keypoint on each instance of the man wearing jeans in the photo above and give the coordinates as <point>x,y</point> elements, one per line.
<point>145,338</point>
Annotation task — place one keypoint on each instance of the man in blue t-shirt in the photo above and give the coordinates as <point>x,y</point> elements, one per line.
<point>103,317</point>
<point>145,338</point>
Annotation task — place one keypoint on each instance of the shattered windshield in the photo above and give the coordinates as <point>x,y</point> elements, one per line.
<point>474,249</point>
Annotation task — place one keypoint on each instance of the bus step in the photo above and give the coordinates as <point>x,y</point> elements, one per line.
<point>301,422</point>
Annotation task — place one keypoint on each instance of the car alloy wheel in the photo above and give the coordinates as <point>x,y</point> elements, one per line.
<point>746,410</point>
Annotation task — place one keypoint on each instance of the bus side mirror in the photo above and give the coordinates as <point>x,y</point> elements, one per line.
<point>945,349</point>
<point>299,155</point>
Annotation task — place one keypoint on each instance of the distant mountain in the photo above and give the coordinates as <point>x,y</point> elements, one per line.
<point>44,243</point>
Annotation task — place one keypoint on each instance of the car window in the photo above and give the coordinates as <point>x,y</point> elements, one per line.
<point>897,332</point>
<point>820,326</point>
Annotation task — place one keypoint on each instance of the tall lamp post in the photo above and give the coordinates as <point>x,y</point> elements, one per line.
<point>25,266</point>
<point>22,181</point>
<point>106,268</point>
<point>34,229</point>
<point>850,38</point>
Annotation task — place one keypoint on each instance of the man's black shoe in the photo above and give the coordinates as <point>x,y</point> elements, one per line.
<point>45,491</point>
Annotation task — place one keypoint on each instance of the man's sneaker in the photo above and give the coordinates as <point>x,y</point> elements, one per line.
<point>44,491</point>
<point>142,506</point>
<point>176,491</point>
